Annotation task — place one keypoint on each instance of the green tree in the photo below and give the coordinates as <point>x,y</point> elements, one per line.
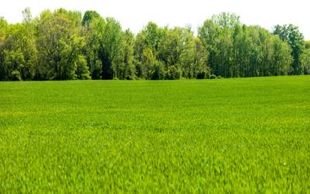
<point>217,36</point>
<point>282,59</point>
<point>14,62</point>
<point>3,36</point>
<point>111,49</point>
<point>307,44</point>
<point>200,68</point>
<point>208,34</point>
<point>89,17</point>
<point>20,52</point>
<point>189,56</point>
<point>182,54</point>
<point>295,39</point>
<point>59,44</point>
<point>82,70</point>
<point>169,52</point>
<point>148,62</point>
<point>93,29</point>
<point>147,44</point>
<point>127,68</point>
<point>62,45</point>
<point>306,59</point>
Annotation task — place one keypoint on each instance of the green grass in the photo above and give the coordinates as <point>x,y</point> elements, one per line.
<point>231,135</point>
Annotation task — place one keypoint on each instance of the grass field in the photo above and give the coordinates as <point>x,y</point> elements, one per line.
<point>230,135</point>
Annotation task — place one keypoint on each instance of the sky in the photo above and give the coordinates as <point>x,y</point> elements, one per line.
<point>135,14</point>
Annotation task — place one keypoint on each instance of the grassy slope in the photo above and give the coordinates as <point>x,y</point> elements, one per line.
<point>241,135</point>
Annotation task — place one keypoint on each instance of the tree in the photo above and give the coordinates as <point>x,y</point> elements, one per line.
<point>146,54</point>
<point>217,36</point>
<point>189,49</point>
<point>93,29</point>
<point>127,67</point>
<point>282,59</point>
<point>239,50</point>
<point>208,34</point>
<point>295,39</point>
<point>306,58</point>
<point>59,44</point>
<point>201,69</point>
<point>14,62</point>
<point>307,44</point>
<point>3,36</point>
<point>111,51</point>
<point>148,63</point>
<point>89,17</point>
<point>27,15</point>
<point>182,54</point>
<point>82,70</point>
<point>20,52</point>
<point>169,52</point>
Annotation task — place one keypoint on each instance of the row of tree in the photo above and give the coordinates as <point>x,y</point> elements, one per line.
<point>63,45</point>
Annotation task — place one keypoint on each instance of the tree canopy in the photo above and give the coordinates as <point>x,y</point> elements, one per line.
<point>66,45</point>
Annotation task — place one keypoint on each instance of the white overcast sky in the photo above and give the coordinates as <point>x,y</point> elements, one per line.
<point>135,14</point>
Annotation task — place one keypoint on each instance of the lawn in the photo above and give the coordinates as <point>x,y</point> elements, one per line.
<point>190,136</point>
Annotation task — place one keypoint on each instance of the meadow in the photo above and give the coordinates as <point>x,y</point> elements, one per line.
<point>189,136</point>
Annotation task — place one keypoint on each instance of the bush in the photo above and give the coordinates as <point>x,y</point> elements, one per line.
<point>173,73</point>
<point>82,71</point>
<point>212,76</point>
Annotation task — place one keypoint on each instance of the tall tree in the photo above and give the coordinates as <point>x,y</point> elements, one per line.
<point>282,59</point>
<point>3,36</point>
<point>89,17</point>
<point>294,37</point>
<point>19,50</point>
<point>59,44</point>
<point>200,65</point>
<point>306,58</point>
<point>93,30</point>
<point>126,68</point>
<point>111,52</point>
<point>217,36</point>
<point>169,52</point>
<point>146,49</point>
<point>63,45</point>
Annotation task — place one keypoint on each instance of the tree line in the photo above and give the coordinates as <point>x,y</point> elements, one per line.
<point>66,45</point>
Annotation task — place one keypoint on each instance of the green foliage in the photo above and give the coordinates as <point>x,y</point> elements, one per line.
<point>13,62</point>
<point>281,61</point>
<point>295,39</point>
<point>148,62</point>
<point>82,70</point>
<point>112,53</point>
<point>237,50</point>
<point>54,45</point>
<point>3,34</point>
<point>307,44</point>
<point>182,54</point>
<point>20,52</point>
<point>93,33</point>
<point>126,68</point>
<point>226,20</point>
<point>89,17</point>
<point>146,52</point>
<point>217,36</point>
<point>3,29</point>
<point>169,54</point>
<point>59,43</point>
<point>186,136</point>
<point>306,61</point>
